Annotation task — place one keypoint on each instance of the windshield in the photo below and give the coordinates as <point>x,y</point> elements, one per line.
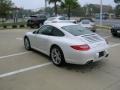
<point>76,30</point>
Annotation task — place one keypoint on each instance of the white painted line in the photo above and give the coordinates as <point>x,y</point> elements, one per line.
<point>17,54</point>
<point>24,70</point>
<point>107,37</point>
<point>114,45</point>
<point>19,39</point>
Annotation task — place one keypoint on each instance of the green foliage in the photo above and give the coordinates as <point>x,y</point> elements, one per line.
<point>5,7</point>
<point>55,5</point>
<point>68,5</point>
<point>117,10</point>
<point>90,9</point>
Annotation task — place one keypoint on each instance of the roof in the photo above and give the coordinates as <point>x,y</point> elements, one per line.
<point>59,25</point>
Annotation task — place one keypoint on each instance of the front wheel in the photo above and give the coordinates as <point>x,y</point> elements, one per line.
<point>27,43</point>
<point>57,56</point>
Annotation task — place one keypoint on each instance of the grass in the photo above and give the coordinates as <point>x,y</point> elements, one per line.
<point>11,24</point>
<point>103,27</point>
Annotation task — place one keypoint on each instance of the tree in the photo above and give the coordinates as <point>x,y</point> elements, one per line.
<point>55,5</point>
<point>91,9</point>
<point>117,9</point>
<point>117,1</point>
<point>69,4</point>
<point>5,7</point>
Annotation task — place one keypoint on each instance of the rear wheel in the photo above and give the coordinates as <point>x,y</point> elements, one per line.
<point>57,56</point>
<point>27,44</point>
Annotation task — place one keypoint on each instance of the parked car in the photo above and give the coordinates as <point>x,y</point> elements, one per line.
<point>88,23</point>
<point>67,43</point>
<point>58,19</point>
<point>115,30</point>
<point>36,20</point>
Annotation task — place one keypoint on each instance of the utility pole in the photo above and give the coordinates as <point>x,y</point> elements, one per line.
<point>45,5</point>
<point>101,12</point>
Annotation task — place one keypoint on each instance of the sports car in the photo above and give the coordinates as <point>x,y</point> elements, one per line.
<point>67,43</point>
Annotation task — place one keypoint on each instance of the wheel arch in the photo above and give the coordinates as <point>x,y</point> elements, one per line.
<point>55,45</point>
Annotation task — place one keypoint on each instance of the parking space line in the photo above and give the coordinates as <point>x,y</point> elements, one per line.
<point>17,54</point>
<point>19,39</point>
<point>24,70</point>
<point>114,45</point>
<point>107,36</point>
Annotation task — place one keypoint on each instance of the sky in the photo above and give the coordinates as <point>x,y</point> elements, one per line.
<point>36,4</point>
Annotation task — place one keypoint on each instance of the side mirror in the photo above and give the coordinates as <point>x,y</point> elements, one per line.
<point>35,32</point>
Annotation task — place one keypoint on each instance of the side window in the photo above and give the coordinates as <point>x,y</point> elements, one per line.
<point>57,32</point>
<point>45,30</point>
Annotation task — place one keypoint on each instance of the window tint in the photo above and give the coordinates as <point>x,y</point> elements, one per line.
<point>76,30</point>
<point>57,32</point>
<point>51,31</point>
<point>46,30</point>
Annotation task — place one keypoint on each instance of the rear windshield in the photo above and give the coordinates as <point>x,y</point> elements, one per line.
<point>85,21</point>
<point>77,30</point>
<point>62,18</point>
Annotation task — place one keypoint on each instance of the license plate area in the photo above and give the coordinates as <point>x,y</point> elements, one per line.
<point>101,54</point>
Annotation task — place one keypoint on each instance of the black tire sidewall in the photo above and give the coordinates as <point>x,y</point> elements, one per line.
<point>29,48</point>
<point>62,57</point>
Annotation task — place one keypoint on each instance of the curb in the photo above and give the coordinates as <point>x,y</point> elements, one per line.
<point>103,27</point>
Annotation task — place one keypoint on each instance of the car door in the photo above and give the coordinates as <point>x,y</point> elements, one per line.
<point>43,38</point>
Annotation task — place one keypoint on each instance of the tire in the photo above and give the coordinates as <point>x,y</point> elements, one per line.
<point>27,43</point>
<point>114,34</point>
<point>94,30</point>
<point>57,56</point>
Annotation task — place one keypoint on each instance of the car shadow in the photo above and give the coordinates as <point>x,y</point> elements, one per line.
<point>78,68</point>
<point>85,68</point>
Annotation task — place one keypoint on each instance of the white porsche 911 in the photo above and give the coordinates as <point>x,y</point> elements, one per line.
<point>67,43</point>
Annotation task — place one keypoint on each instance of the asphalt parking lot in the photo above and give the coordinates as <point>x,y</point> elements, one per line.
<point>31,70</point>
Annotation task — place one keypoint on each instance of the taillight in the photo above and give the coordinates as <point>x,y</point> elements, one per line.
<point>83,47</point>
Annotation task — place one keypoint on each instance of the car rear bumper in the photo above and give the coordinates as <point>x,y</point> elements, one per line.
<point>86,57</point>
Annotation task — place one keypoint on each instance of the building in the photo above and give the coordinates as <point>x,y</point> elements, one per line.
<point>106,8</point>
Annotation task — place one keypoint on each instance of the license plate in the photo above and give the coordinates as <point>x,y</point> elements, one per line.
<point>101,54</point>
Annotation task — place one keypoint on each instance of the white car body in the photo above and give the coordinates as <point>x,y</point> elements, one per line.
<point>58,20</point>
<point>97,44</point>
<point>87,24</point>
